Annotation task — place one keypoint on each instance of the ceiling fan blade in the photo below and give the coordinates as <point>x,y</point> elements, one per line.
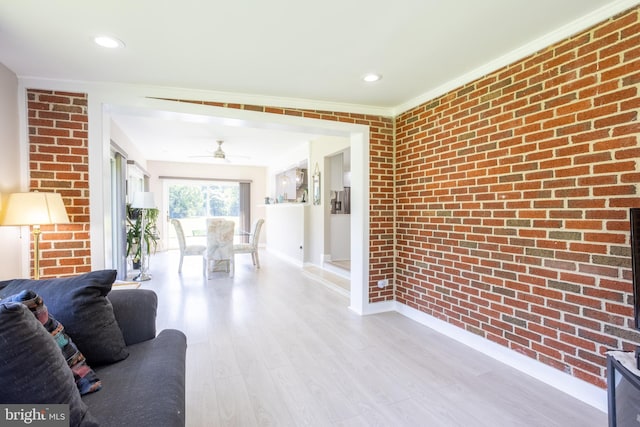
<point>212,158</point>
<point>220,155</point>
<point>239,157</point>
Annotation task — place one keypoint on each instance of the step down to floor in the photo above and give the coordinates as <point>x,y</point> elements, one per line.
<point>331,280</point>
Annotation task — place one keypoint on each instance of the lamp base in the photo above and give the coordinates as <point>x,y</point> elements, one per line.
<point>142,277</point>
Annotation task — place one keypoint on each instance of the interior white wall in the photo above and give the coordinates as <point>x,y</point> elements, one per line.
<point>11,260</point>
<point>285,230</point>
<point>256,174</point>
<point>125,143</point>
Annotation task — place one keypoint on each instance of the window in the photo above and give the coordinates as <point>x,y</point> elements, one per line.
<point>192,201</point>
<point>204,199</point>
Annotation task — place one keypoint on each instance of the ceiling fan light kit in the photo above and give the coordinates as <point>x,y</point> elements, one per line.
<point>219,154</point>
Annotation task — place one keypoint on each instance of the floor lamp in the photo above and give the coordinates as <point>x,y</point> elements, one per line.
<point>143,201</point>
<point>35,209</point>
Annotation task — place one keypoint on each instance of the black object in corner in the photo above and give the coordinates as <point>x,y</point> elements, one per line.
<point>623,389</point>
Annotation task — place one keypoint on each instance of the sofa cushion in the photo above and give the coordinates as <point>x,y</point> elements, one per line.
<point>135,311</point>
<point>32,368</point>
<point>147,389</point>
<point>85,378</point>
<point>80,303</point>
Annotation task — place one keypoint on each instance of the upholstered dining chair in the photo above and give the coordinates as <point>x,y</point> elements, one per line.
<point>252,246</point>
<point>185,250</point>
<point>219,252</point>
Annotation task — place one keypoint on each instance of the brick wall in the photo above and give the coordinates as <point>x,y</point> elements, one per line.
<point>59,162</point>
<point>512,201</point>
<point>381,184</point>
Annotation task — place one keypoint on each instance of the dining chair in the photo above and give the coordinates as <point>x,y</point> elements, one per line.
<point>219,251</point>
<point>252,246</point>
<point>185,250</point>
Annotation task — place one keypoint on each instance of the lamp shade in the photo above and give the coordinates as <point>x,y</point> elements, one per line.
<point>143,200</point>
<point>35,209</point>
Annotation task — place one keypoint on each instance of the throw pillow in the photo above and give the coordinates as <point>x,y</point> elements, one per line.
<point>80,303</point>
<point>85,378</point>
<point>32,368</point>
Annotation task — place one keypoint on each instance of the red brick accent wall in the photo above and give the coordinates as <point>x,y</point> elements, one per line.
<point>512,201</point>
<point>59,162</point>
<point>381,185</point>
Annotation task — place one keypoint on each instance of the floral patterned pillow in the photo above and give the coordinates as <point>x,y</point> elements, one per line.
<point>85,378</point>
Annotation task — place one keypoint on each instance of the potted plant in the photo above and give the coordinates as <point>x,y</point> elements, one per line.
<point>134,226</point>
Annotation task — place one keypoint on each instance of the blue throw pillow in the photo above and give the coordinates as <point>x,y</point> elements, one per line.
<point>80,303</point>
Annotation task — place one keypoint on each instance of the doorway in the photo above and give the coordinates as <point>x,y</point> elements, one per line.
<point>357,134</point>
<point>118,210</point>
<point>337,257</point>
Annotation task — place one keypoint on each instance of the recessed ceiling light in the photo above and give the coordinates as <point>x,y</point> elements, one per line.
<point>371,77</point>
<point>108,42</point>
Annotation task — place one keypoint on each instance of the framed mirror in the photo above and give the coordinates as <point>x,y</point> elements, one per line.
<point>316,186</point>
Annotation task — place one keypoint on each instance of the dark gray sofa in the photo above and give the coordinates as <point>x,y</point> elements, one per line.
<point>148,387</point>
<point>142,375</point>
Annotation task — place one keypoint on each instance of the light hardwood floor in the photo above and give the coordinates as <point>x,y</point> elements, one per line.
<point>272,347</point>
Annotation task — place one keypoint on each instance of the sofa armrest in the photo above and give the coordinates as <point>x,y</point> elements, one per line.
<point>135,311</point>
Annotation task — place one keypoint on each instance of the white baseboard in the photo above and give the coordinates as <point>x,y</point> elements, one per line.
<point>380,307</point>
<point>581,390</point>
<point>285,257</point>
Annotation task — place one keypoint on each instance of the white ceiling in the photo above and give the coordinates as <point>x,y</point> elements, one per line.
<point>280,48</point>
<point>173,138</point>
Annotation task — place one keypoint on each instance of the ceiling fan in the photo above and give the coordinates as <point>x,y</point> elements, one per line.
<point>220,155</point>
